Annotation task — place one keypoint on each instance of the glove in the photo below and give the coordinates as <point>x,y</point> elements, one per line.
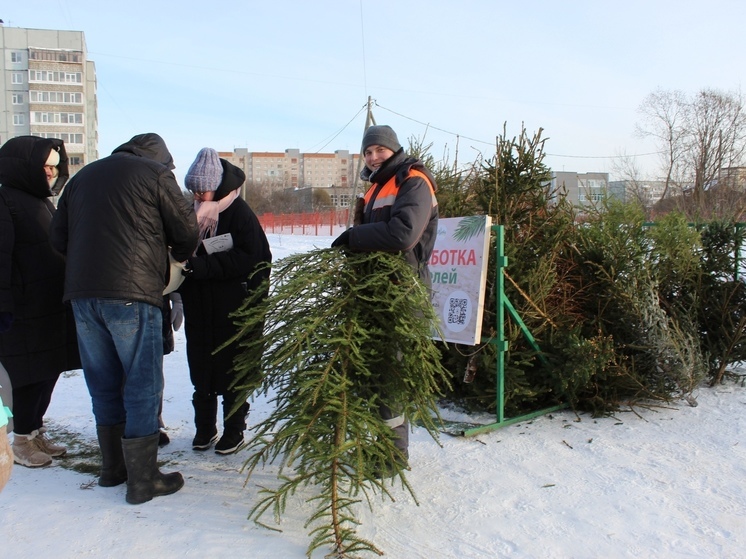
<point>6,319</point>
<point>343,240</point>
<point>177,311</point>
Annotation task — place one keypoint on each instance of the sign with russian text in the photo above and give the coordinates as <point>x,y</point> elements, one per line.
<point>458,269</point>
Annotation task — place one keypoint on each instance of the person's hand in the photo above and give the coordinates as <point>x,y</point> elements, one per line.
<point>343,240</point>
<point>177,311</point>
<point>6,319</point>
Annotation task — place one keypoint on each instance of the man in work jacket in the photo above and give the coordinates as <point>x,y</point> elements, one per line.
<point>400,214</point>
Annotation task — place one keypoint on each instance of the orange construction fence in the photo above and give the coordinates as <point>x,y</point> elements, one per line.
<point>310,223</point>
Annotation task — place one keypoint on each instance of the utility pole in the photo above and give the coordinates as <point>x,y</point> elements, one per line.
<point>369,121</point>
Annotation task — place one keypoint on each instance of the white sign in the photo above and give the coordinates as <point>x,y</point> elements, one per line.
<point>458,269</point>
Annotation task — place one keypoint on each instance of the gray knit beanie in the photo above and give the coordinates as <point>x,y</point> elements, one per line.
<point>382,135</point>
<point>205,173</point>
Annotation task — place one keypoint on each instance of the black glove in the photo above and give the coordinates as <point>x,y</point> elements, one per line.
<point>177,311</point>
<point>6,319</point>
<point>343,240</point>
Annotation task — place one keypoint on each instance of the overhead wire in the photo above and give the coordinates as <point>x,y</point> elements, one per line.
<point>461,136</point>
<point>341,129</point>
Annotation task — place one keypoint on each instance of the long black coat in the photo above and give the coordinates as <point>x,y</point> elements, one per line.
<point>219,285</point>
<point>41,342</point>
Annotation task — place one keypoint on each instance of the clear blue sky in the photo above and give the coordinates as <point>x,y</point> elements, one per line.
<point>274,75</point>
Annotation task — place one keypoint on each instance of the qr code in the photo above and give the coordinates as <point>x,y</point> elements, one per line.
<point>457,311</point>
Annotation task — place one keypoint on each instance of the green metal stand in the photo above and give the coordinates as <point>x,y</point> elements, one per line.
<point>501,343</point>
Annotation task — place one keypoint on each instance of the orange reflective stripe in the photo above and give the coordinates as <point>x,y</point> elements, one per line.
<point>416,173</point>
<point>387,193</point>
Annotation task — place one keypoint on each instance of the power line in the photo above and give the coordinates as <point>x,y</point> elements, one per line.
<point>605,156</point>
<point>341,129</point>
<point>434,127</point>
<point>456,135</point>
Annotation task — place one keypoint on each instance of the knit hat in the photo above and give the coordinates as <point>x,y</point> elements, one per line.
<point>382,135</point>
<point>54,158</point>
<point>206,172</point>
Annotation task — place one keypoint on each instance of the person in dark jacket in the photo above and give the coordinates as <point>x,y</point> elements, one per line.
<point>37,331</point>
<point>115,223</point>
<point>218,279</point>
<point>399,214</point>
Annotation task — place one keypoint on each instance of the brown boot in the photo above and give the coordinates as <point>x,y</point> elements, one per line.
<point>26,451</point>
<point>47,446</point>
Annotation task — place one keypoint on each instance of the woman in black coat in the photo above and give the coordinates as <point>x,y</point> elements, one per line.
<point>37,331</point>
<point>218,280</point>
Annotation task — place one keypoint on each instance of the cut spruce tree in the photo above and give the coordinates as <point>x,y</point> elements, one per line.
<point>344,333</point>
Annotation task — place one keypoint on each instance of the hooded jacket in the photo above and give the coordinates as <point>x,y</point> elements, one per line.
<point>41,342</point>
<point>404,221</point>
<point>117,219</point>
<point>218,285</point>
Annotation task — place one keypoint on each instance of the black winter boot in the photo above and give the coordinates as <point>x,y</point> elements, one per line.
<point>400,461</point>
<point>144,479</point>
<point>401,458</point>
<point>234,424</point>
<point>113,469</point>
<point>205,419</point>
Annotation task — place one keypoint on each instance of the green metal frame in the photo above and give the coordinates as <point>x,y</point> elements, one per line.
<point>503,304</point>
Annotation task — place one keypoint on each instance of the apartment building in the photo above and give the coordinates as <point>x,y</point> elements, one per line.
<point>274,171</point>
<point>49,90</point>
<point>583,189</point>
<point>646,192</point>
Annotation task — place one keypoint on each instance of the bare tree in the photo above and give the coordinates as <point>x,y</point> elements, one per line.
<point>664,119</point>
<point>716,137</point>
<point>625,168</point>
<point>697,136</point>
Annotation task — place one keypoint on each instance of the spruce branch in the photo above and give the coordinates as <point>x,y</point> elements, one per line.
<point>342,334</point>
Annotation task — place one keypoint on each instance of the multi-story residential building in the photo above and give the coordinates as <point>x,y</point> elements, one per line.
<point>646,192</point>
<point>583,189</point>
<point>334,173</point>
<point>49,90</point>
<point>733,178</point>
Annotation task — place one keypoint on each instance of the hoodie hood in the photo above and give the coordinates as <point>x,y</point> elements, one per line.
<point>233,178</point>
<point>22,161</point>
<point>148,145</point>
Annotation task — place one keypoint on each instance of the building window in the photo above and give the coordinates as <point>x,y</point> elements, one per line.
<point>75,160</point>
<point>19,120</point>
<point>56,55</point>
<point>59,97</point>
<point>38,117</point>
<point>17,98</point>
<point>16,57</point>
<point>16,77</point>
<point>64,136</point>
<point>47,76</point>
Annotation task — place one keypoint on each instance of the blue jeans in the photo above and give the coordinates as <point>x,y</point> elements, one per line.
<point>121,348</point>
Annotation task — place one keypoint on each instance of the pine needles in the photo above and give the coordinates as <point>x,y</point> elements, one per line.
<point>344,333</point>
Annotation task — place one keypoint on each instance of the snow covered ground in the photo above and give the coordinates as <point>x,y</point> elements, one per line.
<point>667,482</point>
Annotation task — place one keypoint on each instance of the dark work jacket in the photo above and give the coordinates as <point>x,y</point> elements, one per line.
<point>406,222</point>
<point>116,219</point>
<point>41,342</point>
<point>218,286</point>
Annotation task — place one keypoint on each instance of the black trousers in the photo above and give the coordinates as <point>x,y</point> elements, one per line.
<point>30,403</point>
